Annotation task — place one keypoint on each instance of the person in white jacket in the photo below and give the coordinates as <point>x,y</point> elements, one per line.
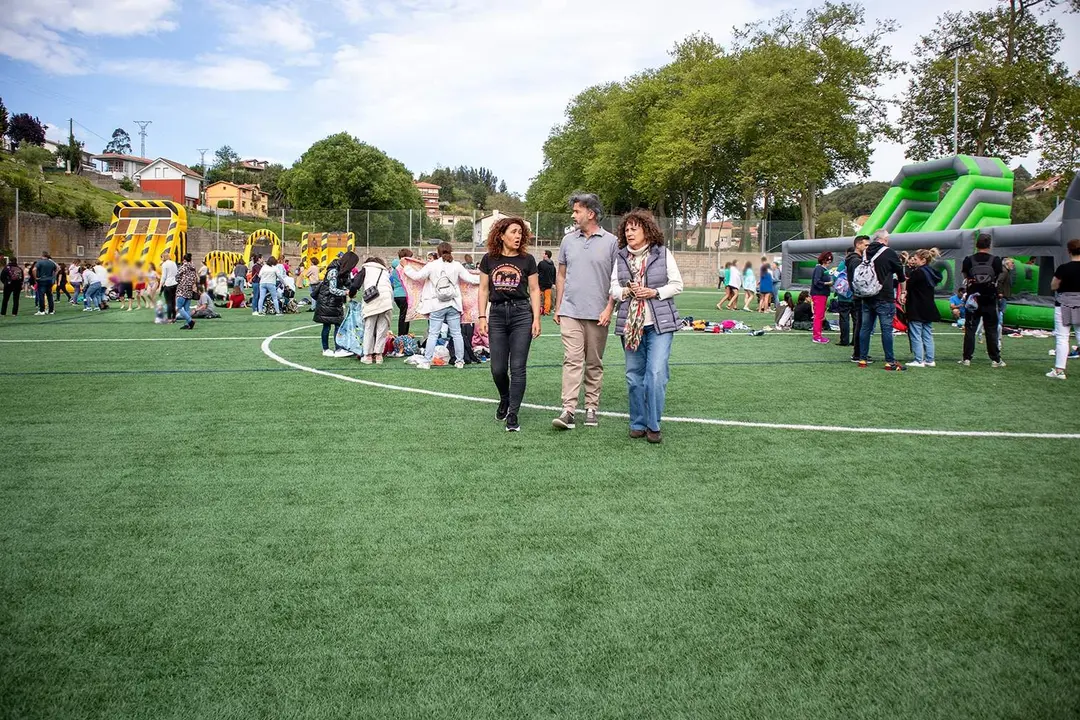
<point>374,274</point>
<point>440,300</point>
<point>269,276</point>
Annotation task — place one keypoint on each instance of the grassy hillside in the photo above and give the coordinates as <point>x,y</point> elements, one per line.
<point>53,193</point>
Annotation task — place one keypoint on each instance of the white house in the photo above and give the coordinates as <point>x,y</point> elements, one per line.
<point>482,227</point>
<point>119,165</point>
<point>173,180</point>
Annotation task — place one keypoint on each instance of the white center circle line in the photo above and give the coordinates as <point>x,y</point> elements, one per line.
<point>691,420</point>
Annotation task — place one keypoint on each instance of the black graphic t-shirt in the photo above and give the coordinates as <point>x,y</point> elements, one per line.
<point>508,277</point>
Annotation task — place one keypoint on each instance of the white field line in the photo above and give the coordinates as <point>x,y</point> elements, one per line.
<point>697,421</point>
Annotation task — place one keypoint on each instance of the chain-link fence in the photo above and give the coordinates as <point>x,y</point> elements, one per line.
<point>777,232</point>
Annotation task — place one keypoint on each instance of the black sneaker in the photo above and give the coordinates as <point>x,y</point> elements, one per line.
<point>512,423</point>
<point>565,421</point>
<point>504,407</point>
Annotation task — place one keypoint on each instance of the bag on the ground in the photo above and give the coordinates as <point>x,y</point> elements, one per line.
<point>865,282</point>
<point>444,289</point>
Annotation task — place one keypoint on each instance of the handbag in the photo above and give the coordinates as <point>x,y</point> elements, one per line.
<point>373,292</point>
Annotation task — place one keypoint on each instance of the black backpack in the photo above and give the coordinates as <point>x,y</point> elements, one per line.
<point>982,271</point>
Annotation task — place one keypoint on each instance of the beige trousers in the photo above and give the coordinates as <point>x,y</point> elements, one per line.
<point>583,351</point>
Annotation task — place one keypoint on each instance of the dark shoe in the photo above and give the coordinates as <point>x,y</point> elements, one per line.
<point>654,437</point>
<point>188,326</point>
<point>512,423</point>
<point>894,367</point>
<point>591,419</point>
<point>635,434</point>
<point>565,421</point>
<point>504,407</point>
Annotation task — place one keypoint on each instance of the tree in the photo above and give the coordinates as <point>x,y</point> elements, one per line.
<point>502,187</point>
<point>269,181</point>
<point>1059,136</point>
<point>34,156</point>
<point>225,157</point>
<point>120,143</point>
<point>855,199</point>
<point>1007,77</point>
<point>463,231</point>
<point>832,223</point>
<point>342,172</point>
<point>24,128</point>
<point>71,154</point>
<point>3,119</point>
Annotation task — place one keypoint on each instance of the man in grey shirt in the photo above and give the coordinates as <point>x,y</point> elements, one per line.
<point>583,311</point>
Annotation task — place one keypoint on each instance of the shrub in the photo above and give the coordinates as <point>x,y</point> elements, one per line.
<point>225,204</point>
<point>87,215</point>
<point>126,184</point>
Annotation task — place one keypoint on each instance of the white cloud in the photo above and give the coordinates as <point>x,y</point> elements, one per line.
<point>355,11</point>
<point>34,32</point>
<point>212,72</point>
<point>256,25</point>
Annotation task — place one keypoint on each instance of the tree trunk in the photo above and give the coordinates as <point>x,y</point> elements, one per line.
<point>744,243</point>
<point>704,218</point>
<point>808,207</point>
<point>685,221</point>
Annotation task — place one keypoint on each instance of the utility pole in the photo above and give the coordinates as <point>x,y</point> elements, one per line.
<point>71,143</point>
<point>954,50</point>
<point>142,134</point>
<point>202,158</point>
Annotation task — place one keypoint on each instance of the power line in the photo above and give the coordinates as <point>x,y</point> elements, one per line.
<point>91,131</point>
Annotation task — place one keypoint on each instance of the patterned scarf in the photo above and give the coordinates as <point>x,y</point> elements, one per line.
<point>635,315</point>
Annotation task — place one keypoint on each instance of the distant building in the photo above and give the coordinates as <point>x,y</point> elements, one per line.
<point>173,180</point>
<point>482,227</point>
<point>1047,185</point>
<point>54,147</point>
<point>119,165</point>
<point>857,223</point>
<point>430,194</point>
<point>254,165</point>
<point>246,199</point>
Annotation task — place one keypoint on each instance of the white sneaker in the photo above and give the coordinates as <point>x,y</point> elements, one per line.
<point>929,364</point>
<point>423,365</point>
<point>998,364</point>
<point>1056,374</point>
<point>459,365</point>
<point>328,353</point>
<point>39,313</point>
<point>916,363</point>
<point>965,363</point>
<point>255,312</point>
<point>366,360</point>
<point>342,353</point>
<point>52,312</point>
<point>87,309</point>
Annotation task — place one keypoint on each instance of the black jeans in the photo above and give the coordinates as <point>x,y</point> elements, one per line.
<point>403,307</point>
<point>988,313</point>
<point>856,322</point>
<point>13,291</point>
<point>509,337</point>
<point>61,286</point>
<point>843,308</point>
<point>170,301</point>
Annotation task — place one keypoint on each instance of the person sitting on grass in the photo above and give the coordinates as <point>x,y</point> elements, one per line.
<point>237,299</point>
<point>785,313</point>
<point>803,313</point>
<point>205,309</point>
<point>956,306</point>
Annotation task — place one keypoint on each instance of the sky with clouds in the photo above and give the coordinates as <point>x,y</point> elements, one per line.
<point>431,82</point>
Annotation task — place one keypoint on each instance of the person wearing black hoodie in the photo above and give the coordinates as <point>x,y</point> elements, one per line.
<point>921,309</point>
<point>881,307</point>
<point>981,272</point>
<point>852,261</point>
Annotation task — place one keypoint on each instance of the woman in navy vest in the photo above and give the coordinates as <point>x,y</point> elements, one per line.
<point>643,283</point>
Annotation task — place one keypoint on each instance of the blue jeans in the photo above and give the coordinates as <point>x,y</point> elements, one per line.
<point>921,335</point>
<point>256,297</point>
<point>44,292</point>
<point>452,317</point>
<point>183,308</point>
<point>271,290</point>
<point>92,295</point>
<point>883,311</point>
<point>647,377</point>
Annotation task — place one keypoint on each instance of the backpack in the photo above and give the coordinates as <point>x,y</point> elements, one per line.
<point>444,289</point>
<point>865,282</point>
<point>982,271</point>
<point>841,286</point>
<point>15,274</point>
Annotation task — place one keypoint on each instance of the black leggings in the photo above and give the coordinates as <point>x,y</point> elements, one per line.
<point>510,337</point>
<point>326,336</point>
<point>403,307</point>
<point>170,301</point>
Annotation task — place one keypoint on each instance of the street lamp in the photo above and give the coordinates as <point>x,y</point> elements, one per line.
<point>954,50</point>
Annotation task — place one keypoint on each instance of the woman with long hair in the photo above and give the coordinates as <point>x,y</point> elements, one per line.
<point>820,287</point>
<point>509,281</point>
<point>440,300</point>
<point>921,307</point>
<point>377,310</point>
<point>330,300</point>
<point>643,283</point>
<point>749,285</point>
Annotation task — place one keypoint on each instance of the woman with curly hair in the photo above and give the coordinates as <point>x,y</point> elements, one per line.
<point>509,281</point>
<point>643,283</point>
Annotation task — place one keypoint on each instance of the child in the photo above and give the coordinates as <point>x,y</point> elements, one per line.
<point>236,296</point>
<point>956,305</point>
<point>785,313</point>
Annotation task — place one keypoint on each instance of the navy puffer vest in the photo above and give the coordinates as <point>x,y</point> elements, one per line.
<point>665,316</point>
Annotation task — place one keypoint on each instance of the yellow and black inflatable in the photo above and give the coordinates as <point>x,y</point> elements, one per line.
<point>324,246</point>
<point>262,242</point>
<point>140,230</point>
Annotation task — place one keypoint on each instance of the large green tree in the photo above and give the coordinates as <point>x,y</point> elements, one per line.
<point>1008,76</point>
<point>120,142</point>
<point>1059,136</point>
<point>3,119</point>
<point>342,172</point>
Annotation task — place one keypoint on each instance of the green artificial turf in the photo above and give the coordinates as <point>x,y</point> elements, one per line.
<point>190,529</point>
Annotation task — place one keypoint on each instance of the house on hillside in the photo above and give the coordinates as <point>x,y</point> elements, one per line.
<point>54,147</point>
<point>1039,187</point>
<point>254,165</point>
<point>430,193</point>
<point>857,223</point>
<point>246,199</point>
<point>119,165</point>
<point>174,180</point>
